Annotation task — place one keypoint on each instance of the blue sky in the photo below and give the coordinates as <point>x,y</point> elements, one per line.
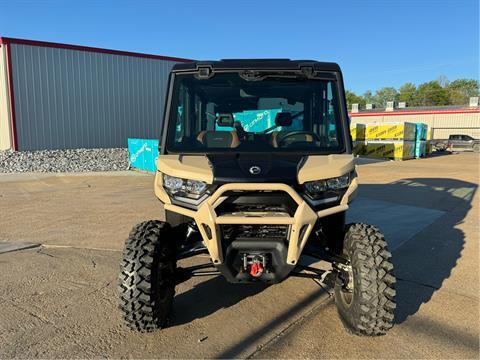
<point>377,43</point>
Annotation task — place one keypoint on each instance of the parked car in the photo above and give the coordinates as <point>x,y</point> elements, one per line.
<point>458,143</point>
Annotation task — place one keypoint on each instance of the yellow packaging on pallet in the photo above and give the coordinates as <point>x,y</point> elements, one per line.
<point>358,147</point>
<point>429,133</point>
<point>429,147</point>
<point>357,131</point>
<point>391,131</point>
<point>397,150</point>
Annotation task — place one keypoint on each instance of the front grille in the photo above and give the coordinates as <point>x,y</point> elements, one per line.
<point>256,201</point>
<point>232,232</point>
<point>257,208</point>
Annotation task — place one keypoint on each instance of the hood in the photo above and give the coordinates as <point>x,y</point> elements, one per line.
<point>192,167</point>
<point>319,167</point>
<point>253,168</point>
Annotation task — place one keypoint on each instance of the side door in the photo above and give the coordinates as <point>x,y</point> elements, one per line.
<point>456,142</point>
<point>467,142</point>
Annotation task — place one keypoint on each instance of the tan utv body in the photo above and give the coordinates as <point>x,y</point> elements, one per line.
<point>199,168</point>
<point>255,169</point>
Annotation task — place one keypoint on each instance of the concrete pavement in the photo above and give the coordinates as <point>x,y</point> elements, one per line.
<point>59,300</point>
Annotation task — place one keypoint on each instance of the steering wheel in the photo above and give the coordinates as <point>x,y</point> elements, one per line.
<point>281,141</point>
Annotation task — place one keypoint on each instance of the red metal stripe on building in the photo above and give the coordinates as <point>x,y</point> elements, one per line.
<point>414,112</point>
<point>6,40</point>
<point>11,97</point>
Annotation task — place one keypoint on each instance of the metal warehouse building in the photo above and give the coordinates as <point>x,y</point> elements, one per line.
<point>443,121</point>
<point>58,96</point>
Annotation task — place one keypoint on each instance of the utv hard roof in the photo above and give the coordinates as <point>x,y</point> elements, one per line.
<point>257,64</point>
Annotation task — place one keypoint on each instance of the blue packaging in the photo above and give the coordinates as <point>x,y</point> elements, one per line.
<point>420,148</point>
<point>143,154</point>
<point>421,131</point>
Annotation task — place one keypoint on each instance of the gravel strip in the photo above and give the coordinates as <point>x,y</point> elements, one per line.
<point>72,160</point>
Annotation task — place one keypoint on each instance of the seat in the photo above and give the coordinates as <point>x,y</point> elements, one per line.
<point>276,136</point>
<point>218,139</point>
<point>285,119</point>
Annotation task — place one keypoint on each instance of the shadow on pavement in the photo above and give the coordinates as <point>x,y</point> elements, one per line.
<point>363,160</point>
<point>428,259</point>
<point>446,332</point>
<point>440,153</point>
<point>424,264</point>
<point>235,350</point>
<point>210,296</point>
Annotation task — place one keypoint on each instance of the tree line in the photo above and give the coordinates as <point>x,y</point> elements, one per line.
<point>438,92</point>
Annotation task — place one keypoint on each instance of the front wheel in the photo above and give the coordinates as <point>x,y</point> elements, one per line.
<point>364,289</point>
<point>147,276</point>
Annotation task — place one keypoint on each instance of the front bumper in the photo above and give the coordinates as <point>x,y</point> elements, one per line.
<point>300,224</point>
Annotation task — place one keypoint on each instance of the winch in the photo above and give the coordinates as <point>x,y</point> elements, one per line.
<point>255,264</point>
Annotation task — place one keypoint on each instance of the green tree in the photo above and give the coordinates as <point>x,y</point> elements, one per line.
<point>385,94</point>
<point>439,92</point>
<point>459,91</point>
<point>407,93</point>
<point>368,97</point>
<point>431,94</point>
<point>353,98</point>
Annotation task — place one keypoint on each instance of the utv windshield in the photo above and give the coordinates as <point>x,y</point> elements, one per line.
<point>230,113</point>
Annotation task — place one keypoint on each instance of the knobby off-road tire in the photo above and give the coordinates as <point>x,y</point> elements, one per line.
<point>147,276</point>
<point>369,308</point>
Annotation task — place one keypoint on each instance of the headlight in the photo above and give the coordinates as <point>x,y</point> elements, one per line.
<point>182,187</point>
<point>339,182</point>
<point>172,183</point>
<point>195,187</point>
<point>316,188</point>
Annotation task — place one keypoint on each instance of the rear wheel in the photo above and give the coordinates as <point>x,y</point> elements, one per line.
<point>364,289</point>
<point>147,276</point>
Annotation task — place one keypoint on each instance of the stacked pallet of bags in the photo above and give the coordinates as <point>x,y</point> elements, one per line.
<point>387,140</point>
<point>429,145</point>
<point>421,140</point>
<point>357,131</point>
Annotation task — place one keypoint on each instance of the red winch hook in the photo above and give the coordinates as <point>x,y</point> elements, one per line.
<point>256,269</point>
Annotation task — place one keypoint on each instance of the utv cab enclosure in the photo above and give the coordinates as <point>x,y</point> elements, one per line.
<point>256,169</point>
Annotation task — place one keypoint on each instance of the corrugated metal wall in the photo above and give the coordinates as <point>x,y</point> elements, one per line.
<point>73,99</point>
<point>442,125</point>
<point>5,130</point>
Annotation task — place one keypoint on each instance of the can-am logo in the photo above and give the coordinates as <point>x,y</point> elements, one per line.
<point>255,170</point>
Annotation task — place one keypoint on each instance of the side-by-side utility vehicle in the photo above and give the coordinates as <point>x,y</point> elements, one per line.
<point>256,170</point>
